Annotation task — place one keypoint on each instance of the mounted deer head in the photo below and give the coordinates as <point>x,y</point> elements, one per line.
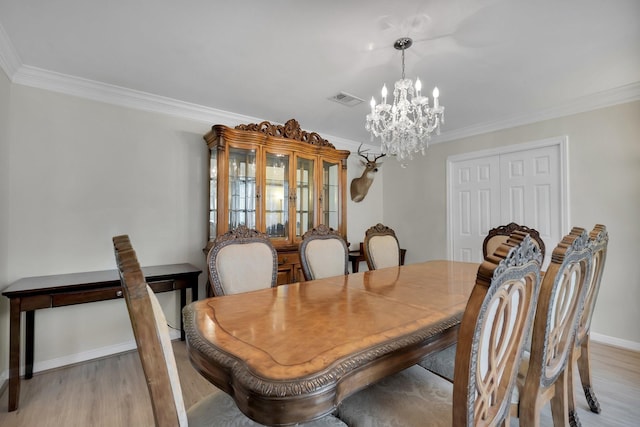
<point>360,186</point>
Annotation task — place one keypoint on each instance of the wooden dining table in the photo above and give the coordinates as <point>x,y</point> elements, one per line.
<point>292,353</point>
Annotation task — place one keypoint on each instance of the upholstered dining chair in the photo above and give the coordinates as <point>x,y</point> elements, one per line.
<point>544,372</point>
<point>497,235</point>
<point>242,260</point>
<point>158,361</point>
<point>598,240</point>
<point>442,362</point>
<point>493,331</point>
<point>323,253</point>
<point>381,247</point>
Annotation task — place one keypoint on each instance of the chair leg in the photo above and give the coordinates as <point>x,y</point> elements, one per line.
<point>584,368</point>
<point>529,409</point>
<point>571,403</point>
<point>559,403</point>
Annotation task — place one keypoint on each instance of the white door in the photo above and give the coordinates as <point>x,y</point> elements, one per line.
<point>476,196</point>
<point>524,183</point>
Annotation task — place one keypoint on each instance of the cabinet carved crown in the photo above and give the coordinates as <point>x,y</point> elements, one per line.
<point>277,179</point>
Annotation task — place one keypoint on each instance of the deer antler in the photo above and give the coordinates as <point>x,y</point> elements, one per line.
<point>365,155</point>
<point>377,157</point>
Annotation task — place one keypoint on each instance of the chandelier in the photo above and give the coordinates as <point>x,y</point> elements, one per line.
<point>405,126</point>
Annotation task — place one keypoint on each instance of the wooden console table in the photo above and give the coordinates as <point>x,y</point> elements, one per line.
<point>357,256</point>
<point>33,293</point>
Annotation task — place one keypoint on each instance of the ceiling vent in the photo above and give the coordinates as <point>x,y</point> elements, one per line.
<point>346,99</point>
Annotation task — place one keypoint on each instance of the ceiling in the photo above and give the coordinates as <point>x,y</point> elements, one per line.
<point>496,62</point>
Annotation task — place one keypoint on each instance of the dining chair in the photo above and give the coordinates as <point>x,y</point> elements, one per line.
<point>497,235</point>
<point>598,240</point>
<point>158,361</point>
<point>323,253</point>
<point>242,260</point>
<point>381,247</point>
<point>442,362</point>
<point>493,330</point>
<point>544,372</point>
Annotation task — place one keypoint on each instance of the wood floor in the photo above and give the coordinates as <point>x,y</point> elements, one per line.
<point>111,392</point>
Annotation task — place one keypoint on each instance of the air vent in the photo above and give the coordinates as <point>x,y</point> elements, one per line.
<point>346,99</point>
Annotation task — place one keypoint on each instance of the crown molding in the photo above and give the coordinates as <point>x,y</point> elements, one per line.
<point>129,98</point>
<point>608,98</point>
<point>121,96</point>
<point>49,80</point>
<point>9,60</point>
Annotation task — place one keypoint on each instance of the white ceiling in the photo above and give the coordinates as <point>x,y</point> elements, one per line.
<point>496,62</point>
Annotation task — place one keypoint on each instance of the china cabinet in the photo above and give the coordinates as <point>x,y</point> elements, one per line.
<point>277,179</point>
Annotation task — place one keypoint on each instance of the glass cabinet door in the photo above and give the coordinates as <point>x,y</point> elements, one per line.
<point>277,196</point>
<point>242,188</point>
<point>305,207</point>
<point>330,197</point>
<point>213,194</point>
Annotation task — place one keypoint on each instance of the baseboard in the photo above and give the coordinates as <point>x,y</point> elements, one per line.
<point>84,356</point>
<point>4,381</point>
<point>615,342</point>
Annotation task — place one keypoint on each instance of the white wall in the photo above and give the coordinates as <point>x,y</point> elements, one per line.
<point>5,94</point>
<point>82,171</point>
<point>604,187</point>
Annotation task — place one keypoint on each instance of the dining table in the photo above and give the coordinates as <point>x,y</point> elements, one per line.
<point>292,353</point>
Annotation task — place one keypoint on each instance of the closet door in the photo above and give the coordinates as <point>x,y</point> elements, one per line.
<point>522,184</point>
<point>476,197</point>
<point>530,191</point>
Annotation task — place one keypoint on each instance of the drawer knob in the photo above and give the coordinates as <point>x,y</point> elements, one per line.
<point>118,293</point>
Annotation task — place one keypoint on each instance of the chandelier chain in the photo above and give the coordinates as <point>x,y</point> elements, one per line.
<point>403,62</point>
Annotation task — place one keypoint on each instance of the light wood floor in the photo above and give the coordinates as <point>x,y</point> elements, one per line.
<point>111,392</point>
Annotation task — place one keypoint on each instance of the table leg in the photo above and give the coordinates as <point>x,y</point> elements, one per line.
<point>355,264</point>
<point>183,303</point>
<point>194,290</point>
<point>14,354</point>
<point>29,341</point>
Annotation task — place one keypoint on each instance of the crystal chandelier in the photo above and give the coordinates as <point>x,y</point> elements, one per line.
<point>405,127</point>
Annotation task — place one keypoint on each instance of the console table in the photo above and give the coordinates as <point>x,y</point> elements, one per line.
<point>357,256</point>
<point>33,293</point>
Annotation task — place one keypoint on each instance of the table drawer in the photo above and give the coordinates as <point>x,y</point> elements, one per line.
<point>79,297</point>
<point>162,286</point>
<point>35,302</point>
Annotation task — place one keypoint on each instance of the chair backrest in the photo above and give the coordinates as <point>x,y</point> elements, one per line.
<point>598,240</point>
<point>323,253</point>
<point>498,235</point>
<point>152,338</point>
<point>560,304</point>
<point>381,247</point>
<point>493,332</point>
<point>242,260</point>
